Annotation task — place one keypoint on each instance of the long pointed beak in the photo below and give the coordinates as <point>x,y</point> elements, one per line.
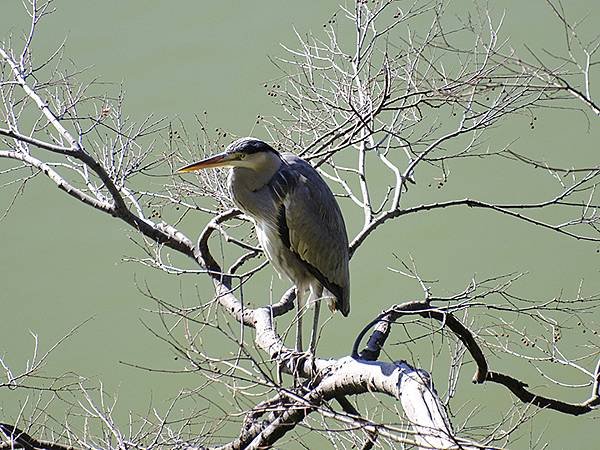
<point>220,160</point>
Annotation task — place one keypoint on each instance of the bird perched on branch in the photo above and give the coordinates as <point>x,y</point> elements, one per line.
<point>298,222</point>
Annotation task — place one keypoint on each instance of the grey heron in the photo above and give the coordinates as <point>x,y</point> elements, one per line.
<point>297,219</point>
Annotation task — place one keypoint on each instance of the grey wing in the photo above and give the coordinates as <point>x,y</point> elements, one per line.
<point>316,229</point>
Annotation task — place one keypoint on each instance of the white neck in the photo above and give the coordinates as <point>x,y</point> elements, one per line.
<point>255,171</point>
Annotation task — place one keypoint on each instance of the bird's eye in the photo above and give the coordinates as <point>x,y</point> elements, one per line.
<point>242,156</point>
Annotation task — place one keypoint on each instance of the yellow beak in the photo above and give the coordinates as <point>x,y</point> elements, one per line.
<point>220,160</point>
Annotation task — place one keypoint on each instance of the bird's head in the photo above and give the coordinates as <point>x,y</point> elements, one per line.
<point>246,152</point>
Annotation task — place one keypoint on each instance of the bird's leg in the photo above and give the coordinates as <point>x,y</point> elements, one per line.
<point>317,293</point>
<point>300,309</point>
<point>315,329</point>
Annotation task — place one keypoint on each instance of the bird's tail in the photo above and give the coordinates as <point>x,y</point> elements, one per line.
<point>341,304</point>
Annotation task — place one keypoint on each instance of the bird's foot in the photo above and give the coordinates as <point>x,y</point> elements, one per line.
<point>304,366</point>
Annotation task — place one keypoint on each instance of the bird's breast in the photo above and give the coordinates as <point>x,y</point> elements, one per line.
<point>282,258</point>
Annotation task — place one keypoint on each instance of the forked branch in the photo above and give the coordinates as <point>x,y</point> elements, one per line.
<point>383,324</point>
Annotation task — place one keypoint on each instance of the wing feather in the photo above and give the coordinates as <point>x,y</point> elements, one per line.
<point>310,222</point>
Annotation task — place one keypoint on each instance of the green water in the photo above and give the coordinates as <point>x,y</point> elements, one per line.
<point>60,263</point>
